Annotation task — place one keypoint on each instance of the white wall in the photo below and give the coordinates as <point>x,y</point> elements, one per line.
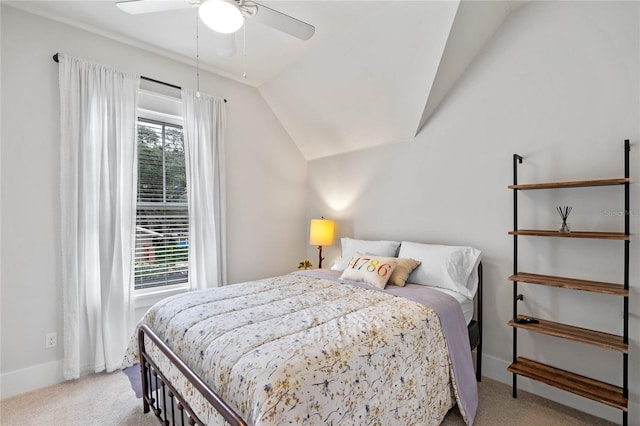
<point>558,84</point>
<point>266,175</point>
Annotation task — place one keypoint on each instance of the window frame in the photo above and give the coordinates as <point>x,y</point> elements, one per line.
<point>145,297</point>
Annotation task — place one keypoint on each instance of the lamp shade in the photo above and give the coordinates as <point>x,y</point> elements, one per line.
<point>222,16</point>
<point>321,232</point>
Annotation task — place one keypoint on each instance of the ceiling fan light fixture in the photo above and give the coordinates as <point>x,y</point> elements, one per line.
<point>222,16</point>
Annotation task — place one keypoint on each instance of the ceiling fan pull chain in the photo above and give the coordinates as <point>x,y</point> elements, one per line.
<point>197,56</point>
<point>244,51</point>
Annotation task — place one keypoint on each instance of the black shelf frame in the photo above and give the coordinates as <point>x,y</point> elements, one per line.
<point>517,159</point>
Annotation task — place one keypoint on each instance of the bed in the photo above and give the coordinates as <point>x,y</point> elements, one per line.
<point>316,347</point>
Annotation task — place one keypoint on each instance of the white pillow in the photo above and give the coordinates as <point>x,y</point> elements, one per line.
<point>372,270</point>
<point>449,267</point>
<point>351,246</point>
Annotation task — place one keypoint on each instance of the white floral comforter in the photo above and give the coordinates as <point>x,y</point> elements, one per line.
<point>301,350</point>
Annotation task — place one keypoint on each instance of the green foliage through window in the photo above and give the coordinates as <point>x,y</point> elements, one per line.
<point>162,221</point>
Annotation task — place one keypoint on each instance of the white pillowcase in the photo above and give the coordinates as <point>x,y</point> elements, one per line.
<point>372,270</point>
<point>450,267</point>
<point>351,246</point>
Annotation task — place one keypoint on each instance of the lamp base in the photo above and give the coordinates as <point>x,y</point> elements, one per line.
<point>320,258</point>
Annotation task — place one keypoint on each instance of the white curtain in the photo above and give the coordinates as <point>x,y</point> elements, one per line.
<point>204,122</point>
<point>98,195</point>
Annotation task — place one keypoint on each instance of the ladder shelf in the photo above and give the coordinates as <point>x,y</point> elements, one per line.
<point>614,396</point>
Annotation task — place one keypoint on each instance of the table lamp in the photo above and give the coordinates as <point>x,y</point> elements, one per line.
<point>321,234</point>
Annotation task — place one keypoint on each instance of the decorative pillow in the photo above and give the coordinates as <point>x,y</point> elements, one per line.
<point>449,267</point>
<point>372,270</point>
<point>351,246</point>
<point>402,271</point>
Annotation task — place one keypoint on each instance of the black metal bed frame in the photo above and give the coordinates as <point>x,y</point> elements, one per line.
<point>475,336</point>
<point>159,395</point>
<point>156,388</point>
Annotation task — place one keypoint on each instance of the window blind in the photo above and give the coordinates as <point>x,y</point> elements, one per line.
<point>162,219</point>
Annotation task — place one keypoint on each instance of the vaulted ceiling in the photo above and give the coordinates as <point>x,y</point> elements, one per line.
<point>373,73</point>
<point>380,80</point>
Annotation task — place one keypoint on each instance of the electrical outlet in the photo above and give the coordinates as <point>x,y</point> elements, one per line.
<point>51,340</point>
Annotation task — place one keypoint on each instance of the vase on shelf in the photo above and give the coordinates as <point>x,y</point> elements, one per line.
<point>564,211</point>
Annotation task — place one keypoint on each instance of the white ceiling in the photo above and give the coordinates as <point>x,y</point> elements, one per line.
<point>268,51</point>
<point>379,78</point>
<point>373,72</point>
<point>380,81</point>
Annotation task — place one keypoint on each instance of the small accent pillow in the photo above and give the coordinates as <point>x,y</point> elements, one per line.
<point>402,271</point>
<point>352,246</point>
<point>372,270</point>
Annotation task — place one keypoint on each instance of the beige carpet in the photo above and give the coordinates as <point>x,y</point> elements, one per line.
<point>107,399</point>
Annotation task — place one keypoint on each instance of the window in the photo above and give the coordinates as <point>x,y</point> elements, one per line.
<point>162,219</point>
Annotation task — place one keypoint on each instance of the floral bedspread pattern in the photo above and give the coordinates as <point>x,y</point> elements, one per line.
<point>299,350</point>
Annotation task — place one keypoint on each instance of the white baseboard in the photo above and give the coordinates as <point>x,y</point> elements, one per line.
<point>496,369</point>
<point>32,378</point>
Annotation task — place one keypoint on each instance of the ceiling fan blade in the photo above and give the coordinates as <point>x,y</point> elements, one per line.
<point>136,7</point>
<point>282,22</point>
<point>226,46</point>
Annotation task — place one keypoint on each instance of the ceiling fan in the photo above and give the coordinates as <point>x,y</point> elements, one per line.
<point>225,16</point>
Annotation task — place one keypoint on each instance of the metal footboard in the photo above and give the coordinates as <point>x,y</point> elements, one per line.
<point>167,403</point>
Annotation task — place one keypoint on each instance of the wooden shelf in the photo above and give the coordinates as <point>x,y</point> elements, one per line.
<point>589,388</point>
<point>572,184</point>
<point>577,234</point>
<point>577,334</point>
<point>571,283</point>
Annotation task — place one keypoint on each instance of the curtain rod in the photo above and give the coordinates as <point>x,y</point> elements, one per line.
<point>55,59</point>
